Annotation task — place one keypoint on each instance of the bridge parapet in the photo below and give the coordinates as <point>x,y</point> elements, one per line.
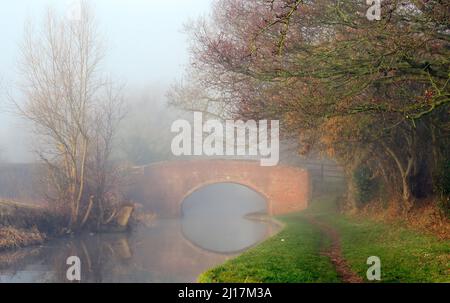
<point>162,187</point>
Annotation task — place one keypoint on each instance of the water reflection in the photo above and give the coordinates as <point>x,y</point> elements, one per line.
<point>170,251</point>
<point>214,218</point>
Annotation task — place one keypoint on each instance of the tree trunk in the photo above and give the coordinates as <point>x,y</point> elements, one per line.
<point>404,174</point>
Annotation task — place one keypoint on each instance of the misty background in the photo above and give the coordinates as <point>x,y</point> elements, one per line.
<point>146,50</point>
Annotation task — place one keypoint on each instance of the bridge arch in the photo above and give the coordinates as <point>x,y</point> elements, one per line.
<point>248,185</point>
<point>162,187</point>
<point>205,227</point>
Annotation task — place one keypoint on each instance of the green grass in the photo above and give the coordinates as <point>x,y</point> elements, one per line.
<point>293,255</point>
<point>406,255</point>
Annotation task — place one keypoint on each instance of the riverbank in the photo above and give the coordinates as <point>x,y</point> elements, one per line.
<point>23,225</point>
<point>11,238</point>
<point>321,245</point>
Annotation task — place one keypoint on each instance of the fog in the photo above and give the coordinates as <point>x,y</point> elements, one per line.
<point>146,50</point>
<point>214,217</point>
<point>153,140</point>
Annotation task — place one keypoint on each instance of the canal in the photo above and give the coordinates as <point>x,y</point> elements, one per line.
<point>218,222</point>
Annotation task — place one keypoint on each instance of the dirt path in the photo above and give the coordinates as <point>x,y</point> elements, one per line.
<point>334,252</point>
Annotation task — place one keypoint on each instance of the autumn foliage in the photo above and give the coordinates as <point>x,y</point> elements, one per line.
<point>370,94</point>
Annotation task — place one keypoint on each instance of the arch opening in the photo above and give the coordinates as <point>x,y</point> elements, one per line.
<point>232,186</point>
<point>214,217</point>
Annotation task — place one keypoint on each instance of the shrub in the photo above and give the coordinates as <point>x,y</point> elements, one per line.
<point>442,186</point>
<point>366,185</point>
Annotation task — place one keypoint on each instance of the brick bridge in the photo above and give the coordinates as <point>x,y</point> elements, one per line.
<point>162,187</point>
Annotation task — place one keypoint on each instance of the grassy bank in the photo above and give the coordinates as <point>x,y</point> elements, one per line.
<point>26,224</point>
<point>290,256</point>
<point>11,237</point>
<point>23,225</point>
<point>406,255</point>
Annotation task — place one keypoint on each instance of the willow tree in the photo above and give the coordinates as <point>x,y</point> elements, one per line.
<point>72,107</point>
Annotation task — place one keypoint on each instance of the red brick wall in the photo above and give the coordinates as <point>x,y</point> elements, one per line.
<point>162,187</point>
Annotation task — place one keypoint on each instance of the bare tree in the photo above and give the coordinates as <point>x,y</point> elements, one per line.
<point>104,176</point>
<point>69,103</point>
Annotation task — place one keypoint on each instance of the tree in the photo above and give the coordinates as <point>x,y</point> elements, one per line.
<point>367,93</point>
<point>74,110</point>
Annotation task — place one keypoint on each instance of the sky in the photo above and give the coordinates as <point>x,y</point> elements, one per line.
<point>145,40</point>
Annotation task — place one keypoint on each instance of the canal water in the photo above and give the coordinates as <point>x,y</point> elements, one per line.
<point>215,226</point>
